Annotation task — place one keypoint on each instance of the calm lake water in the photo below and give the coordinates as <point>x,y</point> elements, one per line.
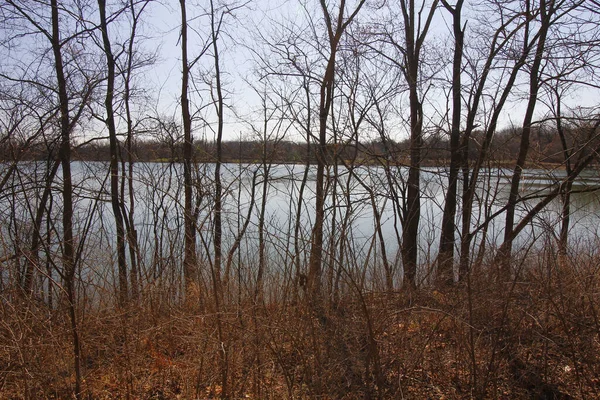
<point>158,194</point>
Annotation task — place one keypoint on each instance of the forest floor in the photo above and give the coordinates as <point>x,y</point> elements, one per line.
<point>534,337</point>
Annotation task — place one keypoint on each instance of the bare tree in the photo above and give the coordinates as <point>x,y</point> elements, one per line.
<point>115,198</point>
<point>447,241</point>
<point>508,52</point>
<point>67,190</point>
<point>336,26</point>
<point>415,29</point>
<point>135,10</point>
<point>189,262</point>
<point>216,20</point>
<point>547,11</point>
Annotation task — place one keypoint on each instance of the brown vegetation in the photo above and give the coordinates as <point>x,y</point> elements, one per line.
<point>533,337</point>
<point>194,287</point>
<point>545,151</point>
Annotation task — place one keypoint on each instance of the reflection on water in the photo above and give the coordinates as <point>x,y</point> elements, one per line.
<point>159,200</point>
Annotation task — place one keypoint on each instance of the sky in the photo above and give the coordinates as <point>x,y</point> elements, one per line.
<point>237,58</point>
<point>239,46</point>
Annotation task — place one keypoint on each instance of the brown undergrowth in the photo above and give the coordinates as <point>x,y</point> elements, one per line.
<point>536,336</point>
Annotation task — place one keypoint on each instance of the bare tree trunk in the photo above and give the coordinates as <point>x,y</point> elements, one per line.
<point>331,248</point>
<point>190,264</point>
<point>300,277</point>
<point>447,242</point>
<point>412,54</point>
<point>37,228</point>
<point>393,197</point>
<point>219,107</point>
<point>335,30</point>
<point>134,250</point>
<point>316,250</point>
<point>215,25</point>
<point>471,173</point>
<point>258,294</point>
<point>114,156</point>
<point>546,15</point>
<point>238,240</point>
<point>410,231</point>
<point>389,278</point>
<point>563,239</point>
<point>52,168</point>
<point>68,243</point>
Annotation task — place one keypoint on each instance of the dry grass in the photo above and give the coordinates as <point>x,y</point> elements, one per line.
<point>534,337</point>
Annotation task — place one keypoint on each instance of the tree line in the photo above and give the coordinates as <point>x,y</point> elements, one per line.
<point>545,144</point>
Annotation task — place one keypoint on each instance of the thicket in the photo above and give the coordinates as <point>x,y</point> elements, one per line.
<point>132,279</point>
<point>533,337</point>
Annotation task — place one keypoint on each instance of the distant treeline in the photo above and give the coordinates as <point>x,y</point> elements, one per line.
<point>545,148</point>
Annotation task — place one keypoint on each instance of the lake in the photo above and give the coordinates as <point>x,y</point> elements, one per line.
<point>158,194</point>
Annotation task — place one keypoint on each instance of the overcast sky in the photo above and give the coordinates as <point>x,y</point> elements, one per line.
<point>242,40</point>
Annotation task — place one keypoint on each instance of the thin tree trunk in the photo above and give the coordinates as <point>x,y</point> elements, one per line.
<point>68,243</point>
<point>134,250</point>
<point>447,241</point>
<point>219,107</point>
<point>505,256</point>
<point>412,51</point>
<point>301,279</point>
<point>37,228</point>
<point>563,239</point>
<point>389,277</point>
<point>242,231</point>
<point>316,250</point>
<point>114,154</point>
<point>261,220</point>
<point>470,178</point>
<point>190,264</point>
<point>410,230</point>
<point>218,229</point>
<point>335,29</point>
